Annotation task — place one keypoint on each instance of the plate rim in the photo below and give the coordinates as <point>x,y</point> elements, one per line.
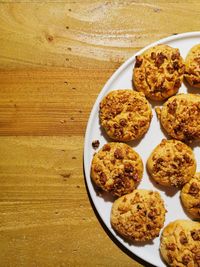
<point>106,86</point>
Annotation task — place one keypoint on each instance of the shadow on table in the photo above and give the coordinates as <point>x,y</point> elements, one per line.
<point>124,249</point>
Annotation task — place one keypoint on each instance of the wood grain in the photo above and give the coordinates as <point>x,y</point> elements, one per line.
<point>55,57</point>
<point>46,218</point>
<point>87,34</point>
<point>36,102</point>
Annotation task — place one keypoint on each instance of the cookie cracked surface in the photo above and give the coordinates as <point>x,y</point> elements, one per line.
<point>190,196</point>
<point>138,216</point>
<point>180,244</point>
<point>117,168</point>
<point>192,66</point>
<point>180,117</point>
<point>172,163</point>
<point>158,72</point>
<point>125,115</point>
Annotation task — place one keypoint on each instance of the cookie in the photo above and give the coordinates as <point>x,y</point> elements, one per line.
<point>180,117</point>
<point>172,163</point>
<point>125,115</point>
<point>138,216</point>
<point>190,196</point>
<point>192,66</point>
<point>180,243</point>
<point>158,72</point>
<point>117,168</point>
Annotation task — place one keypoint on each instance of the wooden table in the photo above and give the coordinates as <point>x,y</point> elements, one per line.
<point>55,57</point>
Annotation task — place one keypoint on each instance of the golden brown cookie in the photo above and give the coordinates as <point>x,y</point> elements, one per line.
<point>172,163</point>
<point>190,196</point>
<point>192,66</point>
<point>138,216</point>
<point>125,115</point>
<point>180,244</point>
<point>117,168</point>
<point>180,117</point>
<point>158,72</point>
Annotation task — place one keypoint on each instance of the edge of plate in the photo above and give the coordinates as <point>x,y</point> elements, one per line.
<point>92,114</point>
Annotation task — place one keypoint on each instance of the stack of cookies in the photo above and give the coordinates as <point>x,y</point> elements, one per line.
<point>125,115</point>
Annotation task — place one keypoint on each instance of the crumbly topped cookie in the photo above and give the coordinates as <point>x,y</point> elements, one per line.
<point>138,216</point>
<point>117,168</point>
<point>158,72</point>
<point>125,115</point>
<point>180,243</point>
<point>192,66</point>
<point>190,196</point>
<point>180,117</point>
<point>172,163</point>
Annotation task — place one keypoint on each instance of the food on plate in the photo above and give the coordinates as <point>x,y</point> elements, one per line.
<point>180,117</point>
<point>190,196</point>
<point>158,72</point>
<point>192,66</point>
<point>138,216</point>
<point>95,144</point>
<point>125,115</point>
<point>180,243</point>
<point>116,168</point>
<point>171,163</point>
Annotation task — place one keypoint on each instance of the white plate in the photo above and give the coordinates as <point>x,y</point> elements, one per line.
<point>119,80</point>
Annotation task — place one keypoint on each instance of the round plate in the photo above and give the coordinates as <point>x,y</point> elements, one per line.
<point>122,79</point>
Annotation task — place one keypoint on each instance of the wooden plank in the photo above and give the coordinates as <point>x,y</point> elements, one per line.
<point>46,218</point>
<point>48,103</point>
<point>87,34</point>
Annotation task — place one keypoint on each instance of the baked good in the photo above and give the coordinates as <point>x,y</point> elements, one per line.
<point>180,117</point>
<point>192,66</point>
<point>117,168</point>
<point>190,196</point>
<point>138,216</point>
<point>171,163</point>
<point>125,115</point>
<point>158,72</point>
<point>180,243</point>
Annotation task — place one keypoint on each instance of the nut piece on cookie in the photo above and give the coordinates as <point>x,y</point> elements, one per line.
<point>125,115</point>
<point>138,216</point>
<point>158,72</point>
<point>190,197</point>
<point>180,117</point>
<point>172,163</point>
<point>192,66</point>
<point>180,243</point>
<point>117,168</point>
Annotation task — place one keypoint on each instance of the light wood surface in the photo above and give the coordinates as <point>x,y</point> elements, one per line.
<point>55,56</point>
